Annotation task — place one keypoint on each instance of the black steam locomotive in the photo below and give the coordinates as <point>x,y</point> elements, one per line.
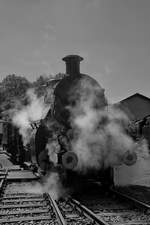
<point>56,131</point>
<point>57,126</point>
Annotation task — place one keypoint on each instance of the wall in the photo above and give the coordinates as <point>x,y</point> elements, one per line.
<point>137,174</point>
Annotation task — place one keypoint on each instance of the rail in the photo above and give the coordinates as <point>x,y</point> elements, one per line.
<point>2,181</point>
<point>56,209</point>
<point>138,203</point>
<point>37,208</point>
<point>121,210</point>
<point>83,209</point>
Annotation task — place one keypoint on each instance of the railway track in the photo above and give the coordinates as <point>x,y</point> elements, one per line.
<point>96,206</point>
<point>76,213</point>
<point>114,208</point>
<point>20,207</point>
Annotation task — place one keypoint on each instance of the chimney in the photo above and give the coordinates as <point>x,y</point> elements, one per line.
<point>72,64</point>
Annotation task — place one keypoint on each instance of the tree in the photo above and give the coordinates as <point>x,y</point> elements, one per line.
<point>15,85</point>
<point>40,84</point>
<point>12,89</point>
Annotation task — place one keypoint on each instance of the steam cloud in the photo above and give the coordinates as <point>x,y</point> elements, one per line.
<point>35,110</point>
<point>99,139</point>
<point>98,136</point>
<point>50,184</point>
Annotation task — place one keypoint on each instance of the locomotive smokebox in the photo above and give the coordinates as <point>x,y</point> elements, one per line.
<point>73,64</point>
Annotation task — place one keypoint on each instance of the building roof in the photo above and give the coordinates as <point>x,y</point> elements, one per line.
<point>136,95</point>
<point>136,106</point>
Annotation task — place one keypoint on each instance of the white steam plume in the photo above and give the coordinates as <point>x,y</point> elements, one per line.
<point>35,110</point>
<point>53,186</point>
<point>99,139</point>
<point>50,184</point>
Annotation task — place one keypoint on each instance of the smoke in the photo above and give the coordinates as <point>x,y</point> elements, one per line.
<point>51,185</point>
<point>54,187</point>
<point>99,136</point>
<point>33,111</point>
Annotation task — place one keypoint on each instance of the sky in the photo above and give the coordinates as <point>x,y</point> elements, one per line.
<point>113,37</point>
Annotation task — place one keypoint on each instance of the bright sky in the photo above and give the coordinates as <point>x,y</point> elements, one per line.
<point>113,36</point>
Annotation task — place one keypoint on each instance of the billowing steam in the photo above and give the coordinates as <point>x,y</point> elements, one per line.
<point>50,184</point>
<point>99,138</point>
<point>35,110</point>
<point>53,186</point>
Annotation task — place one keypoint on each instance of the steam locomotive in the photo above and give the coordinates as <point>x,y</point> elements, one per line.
<point>57,126</point>
<point>56,131</point>
<point>57,123</point>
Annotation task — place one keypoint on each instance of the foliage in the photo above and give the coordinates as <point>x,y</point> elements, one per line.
<point>40,84</point>
<point>15,85</point>
<point>13,90</point>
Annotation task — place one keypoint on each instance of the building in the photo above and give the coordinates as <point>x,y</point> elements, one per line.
<point>136,106</point>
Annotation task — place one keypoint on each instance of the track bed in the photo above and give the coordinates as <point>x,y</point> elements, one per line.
<point>112,209</point>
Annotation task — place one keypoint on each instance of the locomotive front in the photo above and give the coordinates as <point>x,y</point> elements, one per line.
<point>76,88</point>
<point>67,95</point>
<point>73,96</point>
